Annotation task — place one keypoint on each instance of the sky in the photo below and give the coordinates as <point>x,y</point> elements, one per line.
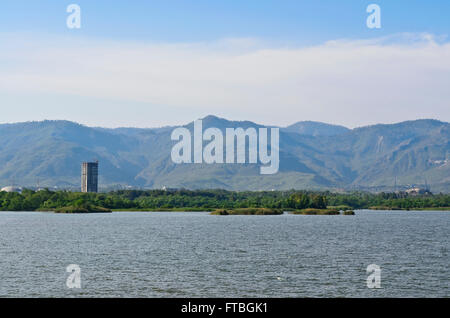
<point>157,63</point>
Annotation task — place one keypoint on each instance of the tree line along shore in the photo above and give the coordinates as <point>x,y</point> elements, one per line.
<point>229,202</point>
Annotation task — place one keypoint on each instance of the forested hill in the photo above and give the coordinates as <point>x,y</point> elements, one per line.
<point>312,156</point>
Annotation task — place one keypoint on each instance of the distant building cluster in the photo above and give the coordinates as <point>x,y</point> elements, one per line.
<point>417,191</point>
<point>89,180</point>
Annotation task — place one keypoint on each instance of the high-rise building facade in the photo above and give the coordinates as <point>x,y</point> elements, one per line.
<point>89,177</point>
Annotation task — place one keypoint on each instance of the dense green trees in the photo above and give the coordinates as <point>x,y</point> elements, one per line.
<point>215,199</point>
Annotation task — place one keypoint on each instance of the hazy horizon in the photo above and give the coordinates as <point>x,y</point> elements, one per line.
<point>223,118</point>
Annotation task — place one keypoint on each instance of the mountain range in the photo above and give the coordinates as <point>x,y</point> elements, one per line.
<point>313,155</point>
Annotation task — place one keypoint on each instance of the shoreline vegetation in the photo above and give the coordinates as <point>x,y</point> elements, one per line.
<point>219,202</point>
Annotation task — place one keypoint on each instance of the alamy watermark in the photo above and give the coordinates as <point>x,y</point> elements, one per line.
<point>74,19</point>
<point>74,279</point>
<point>374,19</point>
<point>374,279</point>
<point>235,146</point>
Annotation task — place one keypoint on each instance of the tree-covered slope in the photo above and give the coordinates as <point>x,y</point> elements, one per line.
<point>312,155</point>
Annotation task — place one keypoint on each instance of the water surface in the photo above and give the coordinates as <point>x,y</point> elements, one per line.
<point>193,254</point>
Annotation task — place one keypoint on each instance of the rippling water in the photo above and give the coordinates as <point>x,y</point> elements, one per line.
<point>197,255</point>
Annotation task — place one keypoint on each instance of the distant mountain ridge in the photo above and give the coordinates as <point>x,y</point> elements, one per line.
<point>313,128</point>
<point>313,155</point>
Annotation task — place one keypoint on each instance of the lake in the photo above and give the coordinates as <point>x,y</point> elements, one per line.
<point>194,254</point>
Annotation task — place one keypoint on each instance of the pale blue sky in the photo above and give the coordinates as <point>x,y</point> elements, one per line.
<point>151,63</point>
<point>293,21</point>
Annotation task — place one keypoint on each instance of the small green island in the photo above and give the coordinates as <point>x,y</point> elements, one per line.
<point>248,211</point>
<point>322,212</point>
<point>268,211</point>
<point>82,209</point>
<point>71,209</point>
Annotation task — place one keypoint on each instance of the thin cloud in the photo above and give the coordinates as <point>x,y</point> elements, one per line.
<point>350,82</point>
